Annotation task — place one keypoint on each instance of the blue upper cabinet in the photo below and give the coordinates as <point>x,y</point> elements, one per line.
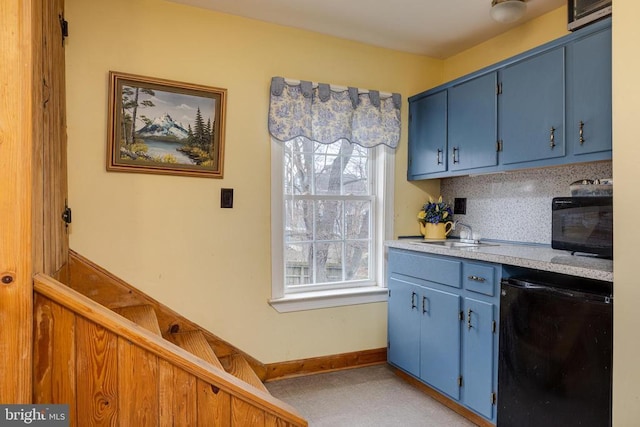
<point>589,93</point>
<point>553,107</point>
<point>428,135</point>
<point>472,124</point>
<point>531,108</point>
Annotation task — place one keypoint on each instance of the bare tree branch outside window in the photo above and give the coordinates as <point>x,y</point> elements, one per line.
<point>328,205</point>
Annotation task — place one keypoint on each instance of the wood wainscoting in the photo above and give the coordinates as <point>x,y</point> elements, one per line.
<point>112,371</point>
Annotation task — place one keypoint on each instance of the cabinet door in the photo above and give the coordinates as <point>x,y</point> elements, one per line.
<point>427,135</point>
<point>477,359</point>
<point>404,326</point>
<point>589,93</point>
<point>472,123</point>
<point>440,340</point>
<point>531,109</point>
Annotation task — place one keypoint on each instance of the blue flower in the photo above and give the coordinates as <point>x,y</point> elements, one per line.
<point>435,212</point>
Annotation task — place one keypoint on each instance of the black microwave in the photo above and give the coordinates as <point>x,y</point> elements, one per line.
<point>583,12</point>
<point>583,224</point>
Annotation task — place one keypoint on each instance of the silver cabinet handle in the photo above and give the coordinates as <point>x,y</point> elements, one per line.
<point>581,132</point>
<point>455,155</point>
<point>439,160</point>
<point>413,300</point>
<point>469,319</point>
<point>424,305</point>
<point>552,137</point>
<point>477,279</point>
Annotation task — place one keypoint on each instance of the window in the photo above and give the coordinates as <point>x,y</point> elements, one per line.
<point>328,227</point>
<point>331,178</point>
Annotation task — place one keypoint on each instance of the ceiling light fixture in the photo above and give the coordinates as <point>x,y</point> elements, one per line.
<point>507,11</point>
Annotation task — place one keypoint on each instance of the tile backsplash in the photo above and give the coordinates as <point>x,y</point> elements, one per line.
<point>516,206</point>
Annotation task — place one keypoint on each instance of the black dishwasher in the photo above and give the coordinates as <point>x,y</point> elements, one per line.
<point>556,348</point>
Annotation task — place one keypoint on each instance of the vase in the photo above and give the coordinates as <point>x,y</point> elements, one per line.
<point>437,231</point>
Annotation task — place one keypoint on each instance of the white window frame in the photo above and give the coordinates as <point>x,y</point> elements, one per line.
<point>375,291</point>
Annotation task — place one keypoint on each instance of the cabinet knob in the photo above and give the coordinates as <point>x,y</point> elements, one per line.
<point>581,132</point>
<point>552,137</point>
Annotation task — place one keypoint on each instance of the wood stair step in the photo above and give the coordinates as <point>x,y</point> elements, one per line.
<point>196,343</point>
<point>237,365</point>
<point>143,315</point>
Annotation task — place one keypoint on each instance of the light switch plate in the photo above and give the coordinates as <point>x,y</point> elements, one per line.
<point>226,197</point>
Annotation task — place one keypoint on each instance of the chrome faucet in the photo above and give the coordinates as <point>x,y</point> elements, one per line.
<point>467,238</point>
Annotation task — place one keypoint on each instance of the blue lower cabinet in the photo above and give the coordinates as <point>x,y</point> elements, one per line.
<point>440,340</point>
<point>478,355</point>
<point>404,330</point>
<point>445,334</point>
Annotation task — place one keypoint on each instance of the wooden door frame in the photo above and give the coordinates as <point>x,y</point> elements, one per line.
<point>20,205</point>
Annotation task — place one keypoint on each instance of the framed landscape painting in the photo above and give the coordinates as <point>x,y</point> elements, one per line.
<point>165,127</point>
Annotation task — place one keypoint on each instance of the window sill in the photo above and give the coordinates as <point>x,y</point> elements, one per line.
<point>328,299</point>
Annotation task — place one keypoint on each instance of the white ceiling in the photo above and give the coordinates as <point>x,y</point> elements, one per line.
<point>436,28</point>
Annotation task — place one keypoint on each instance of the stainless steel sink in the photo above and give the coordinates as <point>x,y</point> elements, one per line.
<point>455,244</point>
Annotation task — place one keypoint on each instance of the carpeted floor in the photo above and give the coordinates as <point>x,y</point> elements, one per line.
<point>363,397</point>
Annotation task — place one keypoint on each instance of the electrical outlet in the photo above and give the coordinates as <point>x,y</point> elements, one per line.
<point>460,205</point>
<point>226,197</point>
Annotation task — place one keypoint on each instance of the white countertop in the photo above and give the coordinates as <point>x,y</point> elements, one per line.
<point>538,257</point>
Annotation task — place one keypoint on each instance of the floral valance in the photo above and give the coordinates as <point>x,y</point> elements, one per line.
<point>325,114</point>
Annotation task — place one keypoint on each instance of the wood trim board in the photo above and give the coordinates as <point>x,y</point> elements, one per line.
<point>323,364</point>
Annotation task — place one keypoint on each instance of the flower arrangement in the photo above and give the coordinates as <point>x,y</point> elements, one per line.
<point>435,212</point>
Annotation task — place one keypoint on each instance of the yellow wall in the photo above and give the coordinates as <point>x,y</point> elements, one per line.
<point>527,36</point>
<point>167,235</point>
<point>626,174</point>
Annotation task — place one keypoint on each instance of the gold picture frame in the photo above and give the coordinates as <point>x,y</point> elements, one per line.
<point>165,127</point>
